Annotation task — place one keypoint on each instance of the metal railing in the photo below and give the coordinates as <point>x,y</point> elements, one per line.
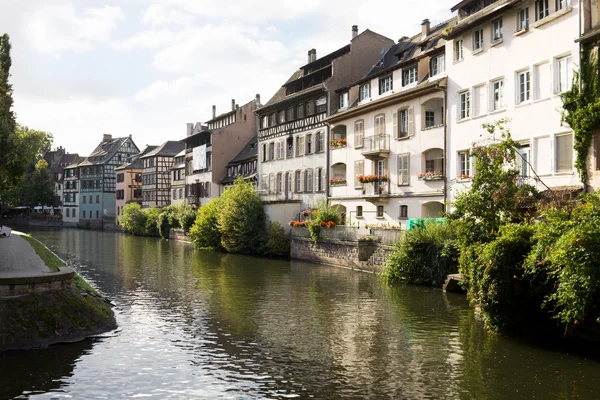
<point>374,144</point>
<point>376,188</point>
<point>353,234</point>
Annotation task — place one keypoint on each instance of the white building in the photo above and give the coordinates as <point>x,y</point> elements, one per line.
<point>512,59</point>
<point>392,167</point>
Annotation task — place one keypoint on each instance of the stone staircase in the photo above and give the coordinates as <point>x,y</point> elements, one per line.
<point>379,258</point>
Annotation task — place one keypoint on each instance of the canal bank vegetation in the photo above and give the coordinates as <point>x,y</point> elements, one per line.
<point>529,261</point>
<point>235,222</point>
<point>156,221</point>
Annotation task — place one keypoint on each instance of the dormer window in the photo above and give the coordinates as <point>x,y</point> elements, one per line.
<point>409,75</point>
<point>437,65</point>
<point>385,84</point>
<point>344,100</point>
<point>364,91</point>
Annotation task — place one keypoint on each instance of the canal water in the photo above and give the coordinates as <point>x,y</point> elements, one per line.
<point>204,325</point>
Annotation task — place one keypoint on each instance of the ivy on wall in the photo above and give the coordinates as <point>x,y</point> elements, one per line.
<point>581,109</point>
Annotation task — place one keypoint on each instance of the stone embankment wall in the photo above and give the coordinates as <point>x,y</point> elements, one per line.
<point>37,284</point>
<point>357,255</point>
<point>178,234</point>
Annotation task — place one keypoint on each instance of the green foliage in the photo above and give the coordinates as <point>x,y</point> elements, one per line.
<point>186,217</point>
<point>497,282</point>
<point>494,196</point>
<point>152,226</point>
<point>205,231</point>
<point>241,219</point>
<point>323,213</point>
<point>9,169</point>
<point>38,187</point>
<point>567,256</point>
<point>581,109</point>
<point>133,219</point>
<point>278,242</point>
<point>425,255</point>
<point>167,219</point>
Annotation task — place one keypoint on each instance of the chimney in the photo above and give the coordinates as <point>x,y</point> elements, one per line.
<point>402,39</point>
<point>189,128</point>
<point>237,106</point>
<point>232,104</point>
<point>354,31</point>
<point>314,54</point>
<point>214,112</point>
<point>257,98</point>
<point>425,28</point>
<point>106,136</point>
<point>309,57</point>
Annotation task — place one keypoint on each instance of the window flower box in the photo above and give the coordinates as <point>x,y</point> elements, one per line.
<point>431,176</point>
<point>337,143</point>
<point>373,178</point>
<point>338,182</point>
<point>297,224</point>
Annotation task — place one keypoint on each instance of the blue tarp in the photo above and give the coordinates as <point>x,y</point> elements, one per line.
<point>421,222</point>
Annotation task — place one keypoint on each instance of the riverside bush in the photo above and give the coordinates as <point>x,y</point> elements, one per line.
<point>323,215</point>
<point>424,255</point>
<point>152,226</point>
<point>278,243</point>
<point>186,217</point>
<point>133,219</point>
<point>205,233</point>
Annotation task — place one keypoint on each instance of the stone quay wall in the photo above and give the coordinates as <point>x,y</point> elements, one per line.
<point>53,282</point>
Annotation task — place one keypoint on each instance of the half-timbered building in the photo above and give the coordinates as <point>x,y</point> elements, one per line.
<point>129,182</point>
<point>97,180</point>
<point>156,174</point>
<point>244,164</point>
<point>178,179</point>
<point>210,146</point>
<point>70,204</point>
<point>293,138</point>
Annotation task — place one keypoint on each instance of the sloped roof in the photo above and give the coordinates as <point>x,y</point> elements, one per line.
<point>65,160</point>
<point>75,163</point>
<point>135,162</point>
<point>167,149</point>
<point>474,19</point>
<point>106,149</point>
<point>249,152</point>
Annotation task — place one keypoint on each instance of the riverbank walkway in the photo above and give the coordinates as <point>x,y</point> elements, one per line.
<point>19,259</point>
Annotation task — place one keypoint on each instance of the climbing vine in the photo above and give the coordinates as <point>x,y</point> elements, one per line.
<point>581,109</point>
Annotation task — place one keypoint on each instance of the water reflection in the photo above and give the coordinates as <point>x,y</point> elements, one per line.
<point>211,325</point>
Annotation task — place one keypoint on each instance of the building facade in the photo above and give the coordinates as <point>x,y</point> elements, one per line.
<point>129,182</point>
<point>97,180</point>
<point>388,135</point>
<point>211,146</point>
<point>244,164</point>
<point>70,203</point>
<point>512,59</point>
<point>178,179</point>
<point>156,174</point>
<point>293,138</point>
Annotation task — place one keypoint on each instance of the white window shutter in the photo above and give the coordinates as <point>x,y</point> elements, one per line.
<point>395,125</point>
<point>411,130</point>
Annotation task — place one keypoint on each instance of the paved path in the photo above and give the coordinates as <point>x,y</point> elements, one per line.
<point>18,259</point>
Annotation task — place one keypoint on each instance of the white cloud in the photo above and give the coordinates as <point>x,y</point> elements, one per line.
<point>53,29</point>
<point>159,14</point>
<point>148,39</point>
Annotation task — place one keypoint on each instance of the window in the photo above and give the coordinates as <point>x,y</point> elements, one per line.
<point>524,86</point>
<point>478,40</point>
<point>281,116</point>
<point>84,214</point>
<point>560,5</point>
<point>497,33</point>
<point>174,194</point>
<point>300,111</point>
<point>523,159</point>
<point>97,214</point>
<point>299,146</point>
<point>321,103</point>
<point>479,100</point>
<point>404,123</point>
<point>308,180</point>
<point>359,169</point>
<point>264,121</point>
<point>437,65</point>
<point>279,182</point>
<point>497,94</point>
<point>465,105</point>
<point>364,91</point>
<point>320,177</point>
<point>541,9</point>
<point>359,133</point>
<point>298,181</point>
<point>271,155</point>
<point>290,147</point>
<point>564,153</point>
<point>385,84</point>
<point>403,169</point>
<point>381,169</point>
<point>97,199</point>
<point>564,74</point>
<point>359,211</point>
<point>319,147</point>
<point>310,107</point>
<point>344,100</point>
<point>434,161</point>
<point>523,19</point>
<point>458,50</point>
<point>403,211</point>
<point>120,177</point>
<point>84,197</point>
<point>263,182</point>
<point>409,75</point>
<point>379,211</point>
<point>68,213</point>
<point>181,193</point>
<point>309,144</point>
<point>464,160</point>
<point>542,81</point>
<point>263,153</point>
<point>429,119</point>
<point>543,148</point>
<point>380,124</point>
<point>289,114</point>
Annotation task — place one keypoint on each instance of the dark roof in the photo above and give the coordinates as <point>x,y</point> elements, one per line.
<point>168,149</point>
<point>65,160</point>
<point>474,19</point>
<point>135,161</point>
<point>249,152</point>
<point>105,150</point>
<point>75,163</point>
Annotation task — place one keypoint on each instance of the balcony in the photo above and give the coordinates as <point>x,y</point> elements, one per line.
<point>375,147</point>
<point>376,191</point>
<point>270,197</point>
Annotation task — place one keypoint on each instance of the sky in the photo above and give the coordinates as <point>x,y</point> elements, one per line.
<point>83,68</point>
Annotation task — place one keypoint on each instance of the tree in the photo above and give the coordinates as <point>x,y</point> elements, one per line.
<point>9,168</point>
<point>38,187</point>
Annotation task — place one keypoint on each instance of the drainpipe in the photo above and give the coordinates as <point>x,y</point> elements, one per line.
<point>580,80</point>
<point>445,146</point>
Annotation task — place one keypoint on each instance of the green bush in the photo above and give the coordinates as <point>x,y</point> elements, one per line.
<point>567,257</point>
<point>424,255</point>
<point>323,213</point>
<point>497,282</point>
<point>278,242</point>
<point>151,228</point>
<point>242,219</point>
<point>204,233</point>
<point>186,218</point>
<point>133,219</point>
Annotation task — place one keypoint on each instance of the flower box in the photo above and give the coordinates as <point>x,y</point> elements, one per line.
<point>431,176</point>
<point>338,182</point>
<point>337,143</point>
